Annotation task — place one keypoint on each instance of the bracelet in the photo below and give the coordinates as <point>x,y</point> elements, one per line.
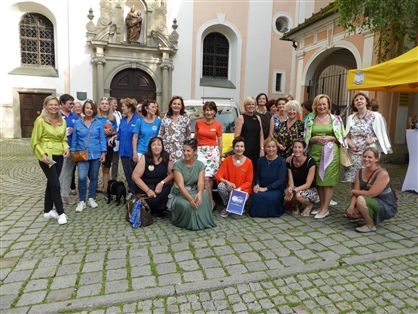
<point>162,181</point>
<point>262,148</point>
<point>147,191</point>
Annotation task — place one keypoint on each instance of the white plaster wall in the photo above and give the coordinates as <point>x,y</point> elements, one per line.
<point>80,70</point>
<point>257,61</point>
<point>182,73</point>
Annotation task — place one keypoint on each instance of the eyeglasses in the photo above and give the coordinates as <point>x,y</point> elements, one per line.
<point>90,100</point>
<point>104,98</point>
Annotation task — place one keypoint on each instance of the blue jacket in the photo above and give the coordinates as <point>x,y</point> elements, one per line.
<point>125,133</point>
<point>97,143</point>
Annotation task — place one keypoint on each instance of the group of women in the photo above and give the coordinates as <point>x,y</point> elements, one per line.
<point>270,162</point>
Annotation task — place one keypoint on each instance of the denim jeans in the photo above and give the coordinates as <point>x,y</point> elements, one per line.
<point>128,169</point>
<point>88,168</point>
<point>53,188</point>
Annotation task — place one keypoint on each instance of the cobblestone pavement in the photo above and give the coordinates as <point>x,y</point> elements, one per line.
<point>98,264</point>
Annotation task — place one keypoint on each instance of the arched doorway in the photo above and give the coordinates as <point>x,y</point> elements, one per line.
<point>133,83</point>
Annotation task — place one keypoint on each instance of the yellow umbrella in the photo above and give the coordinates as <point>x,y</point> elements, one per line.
<point>396,75</point>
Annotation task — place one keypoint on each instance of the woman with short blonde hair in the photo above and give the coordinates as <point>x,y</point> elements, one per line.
<point>248,125</point>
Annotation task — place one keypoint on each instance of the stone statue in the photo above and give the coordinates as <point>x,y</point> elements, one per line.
<point>134,23</point>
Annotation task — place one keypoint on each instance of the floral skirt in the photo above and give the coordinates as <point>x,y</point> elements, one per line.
<point>209,155</point>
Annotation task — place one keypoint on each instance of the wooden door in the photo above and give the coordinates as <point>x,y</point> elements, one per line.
<point>133,83</point>
<point>31,105</point>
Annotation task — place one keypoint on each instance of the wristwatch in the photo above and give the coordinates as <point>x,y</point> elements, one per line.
<point>162,181</point>
<point>293,191</point>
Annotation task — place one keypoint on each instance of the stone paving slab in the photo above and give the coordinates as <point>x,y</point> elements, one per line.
<point>97,257</point>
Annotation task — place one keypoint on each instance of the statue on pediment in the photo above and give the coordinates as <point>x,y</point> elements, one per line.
<point>133,23</point>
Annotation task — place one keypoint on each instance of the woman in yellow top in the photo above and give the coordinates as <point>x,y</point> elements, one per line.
<point>49,144</point>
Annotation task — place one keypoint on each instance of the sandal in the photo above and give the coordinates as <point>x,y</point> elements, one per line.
<point>306,212</point>
<point>295,212</point>
<point>224,213</point>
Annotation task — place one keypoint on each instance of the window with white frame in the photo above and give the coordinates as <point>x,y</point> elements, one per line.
<point>279,81</point>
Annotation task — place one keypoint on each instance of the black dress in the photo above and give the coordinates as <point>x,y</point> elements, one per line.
<point>152,178</point>
<point>251,133</point>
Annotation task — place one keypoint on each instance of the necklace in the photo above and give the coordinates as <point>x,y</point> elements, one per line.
<point>175,119</point>
<point>262,112</point>
<point>322,119</point>
<point>236,160</point>
<point>211,121</point>
<point>190,169</point>
<point>269,161</point>
<point>363,115</point>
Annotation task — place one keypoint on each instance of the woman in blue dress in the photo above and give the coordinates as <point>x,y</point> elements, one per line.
<point>270,183</point>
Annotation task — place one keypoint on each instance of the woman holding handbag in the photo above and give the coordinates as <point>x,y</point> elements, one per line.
<point>49,144</point>
<point>88,137</point>
<point>373,199</point>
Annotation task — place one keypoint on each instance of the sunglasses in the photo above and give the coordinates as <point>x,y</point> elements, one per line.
<point>189,142</point>
<point>91,101</point>
<point>104,98</point>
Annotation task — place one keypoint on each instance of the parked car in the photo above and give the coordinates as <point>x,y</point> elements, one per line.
<point>228,112</point>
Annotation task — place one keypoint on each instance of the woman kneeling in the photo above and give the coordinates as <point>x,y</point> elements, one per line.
<point>192,207</point>
<point>301,188</point>
<point>373,199</point>
<point>269,182</point>
<point>235,173</point>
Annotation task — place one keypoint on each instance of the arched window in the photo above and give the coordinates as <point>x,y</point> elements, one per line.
<point>215,56</point>
<point>36,41</point>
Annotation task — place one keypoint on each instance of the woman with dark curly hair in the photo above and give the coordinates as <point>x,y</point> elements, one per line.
<point>152,175</point>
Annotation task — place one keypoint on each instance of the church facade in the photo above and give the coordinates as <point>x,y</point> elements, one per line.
<point>192,49</point>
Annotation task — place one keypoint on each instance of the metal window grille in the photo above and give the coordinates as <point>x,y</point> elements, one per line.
<point>278,82</point>
<point>36,41</point>
<point>215,56</point>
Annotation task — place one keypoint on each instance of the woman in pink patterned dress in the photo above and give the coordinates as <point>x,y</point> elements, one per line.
<point>175,128</point>
<point>364,129</point>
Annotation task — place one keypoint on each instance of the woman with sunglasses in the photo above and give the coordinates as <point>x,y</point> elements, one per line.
<point>109,124</point>
<point>145,128</point>
<point>175,128</point>
<point>192,208</point>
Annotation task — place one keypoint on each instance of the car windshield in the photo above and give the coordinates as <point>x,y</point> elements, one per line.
<point>226,115</point>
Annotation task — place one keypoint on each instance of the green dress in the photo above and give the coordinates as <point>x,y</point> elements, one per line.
<point>183,215</point>
<point>332,173</point>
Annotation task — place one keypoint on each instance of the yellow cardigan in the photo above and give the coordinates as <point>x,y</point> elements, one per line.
<point>47,140</point>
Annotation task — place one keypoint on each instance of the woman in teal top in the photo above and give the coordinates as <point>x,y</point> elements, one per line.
<point>192,208</point>
<point>49,144</point>
<point>144,129</point>
<point>324,135</point>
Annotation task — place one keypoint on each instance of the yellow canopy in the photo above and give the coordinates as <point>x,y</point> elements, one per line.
<point>396,75</point>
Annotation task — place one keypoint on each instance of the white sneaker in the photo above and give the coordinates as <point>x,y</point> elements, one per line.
<point>333,203</point>
<point>80,206</point>
<point>129,197</point>
<point>92,203</point>
<point>62,219</point>
<point>52,214</point>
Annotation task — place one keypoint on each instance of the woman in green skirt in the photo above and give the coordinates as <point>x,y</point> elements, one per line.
<point>192,208</point>
<point>324,133</point>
